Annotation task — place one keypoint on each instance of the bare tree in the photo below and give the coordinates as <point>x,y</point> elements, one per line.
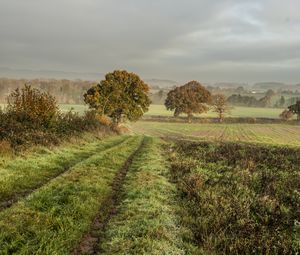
<point>220,106</point>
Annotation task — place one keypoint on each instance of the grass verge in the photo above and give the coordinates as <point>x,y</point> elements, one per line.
<point>19,177</point>
<point>146,222</point>
<point>54,218</point>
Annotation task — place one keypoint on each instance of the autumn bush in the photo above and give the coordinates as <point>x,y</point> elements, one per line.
<point>33,117</point>
<point>32,107</point>
<point>286,115</point>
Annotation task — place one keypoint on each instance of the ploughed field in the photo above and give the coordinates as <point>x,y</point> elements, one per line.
<point>145,195</point>
<point>275,134</point>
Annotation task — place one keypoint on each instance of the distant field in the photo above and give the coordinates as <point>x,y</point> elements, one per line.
<point>276,134</point>
<point>236,112</point>
<point>67,107</point>
<point>75,107</point>
<point>160,110</point>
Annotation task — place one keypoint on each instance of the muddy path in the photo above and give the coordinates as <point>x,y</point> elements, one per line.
<point>91,242</point>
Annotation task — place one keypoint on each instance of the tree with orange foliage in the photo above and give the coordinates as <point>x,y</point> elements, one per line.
<point>191,98</point>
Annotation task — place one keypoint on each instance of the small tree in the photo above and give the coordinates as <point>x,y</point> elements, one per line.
<point>32,106</point>
<point>190,98</point>
<point>295,109</point>
<point>120,96</point>
<point>220,106</point>
<point>286,115</point>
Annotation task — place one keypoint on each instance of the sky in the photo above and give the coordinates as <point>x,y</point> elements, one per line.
<point>205,40</point>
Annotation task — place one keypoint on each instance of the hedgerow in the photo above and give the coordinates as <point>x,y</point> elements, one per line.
<point>32,117</point>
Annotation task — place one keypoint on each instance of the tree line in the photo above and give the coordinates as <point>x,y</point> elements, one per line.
<point>124,96</point>
<point>64,91</point>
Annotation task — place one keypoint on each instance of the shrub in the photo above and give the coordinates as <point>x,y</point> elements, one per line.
<point>286,115</point>
<point>103,120</point>
<point>31,106</point>
<point>32,117</point>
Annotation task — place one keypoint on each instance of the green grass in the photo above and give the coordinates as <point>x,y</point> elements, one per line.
<point>75,107</point>
<point>20,176</point>
<point>53,219</point>
<point>146,222</point>
<point>252,112</point>
<point>276,134</point>
<point>160,110</point>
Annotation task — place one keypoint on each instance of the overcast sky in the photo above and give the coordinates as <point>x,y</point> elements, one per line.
<point>207,40</point>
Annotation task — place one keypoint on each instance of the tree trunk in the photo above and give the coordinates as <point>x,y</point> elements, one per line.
<point>220,117</point>
<point>190,116</point>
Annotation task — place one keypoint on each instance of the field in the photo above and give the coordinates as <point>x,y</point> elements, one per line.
<point>143,195</point>
<point>160,110</point>
<point>249,112</point>
<point>274,134</point>
<point>168,188</point>
<point>237,198</point>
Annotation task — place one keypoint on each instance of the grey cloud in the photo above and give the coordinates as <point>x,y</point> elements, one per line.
<point>180,40</point>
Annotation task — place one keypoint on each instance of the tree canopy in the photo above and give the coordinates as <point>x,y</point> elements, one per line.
<point>122,95</point>
<point>190,99</point>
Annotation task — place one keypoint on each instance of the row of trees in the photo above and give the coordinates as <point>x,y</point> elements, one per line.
<point>124,96</point>
<point>64,91</point>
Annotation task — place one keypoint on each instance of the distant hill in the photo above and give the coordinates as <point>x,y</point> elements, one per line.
<point>276,86</point>
<point>163,84</point>
<point>53,74</point>
<point>269,85</point>
<point>230,84</point>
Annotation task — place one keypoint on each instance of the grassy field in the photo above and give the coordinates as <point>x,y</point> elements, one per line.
<point>255,112</point>
<point>53,218</point>
<point>146,222</point>
<point>24,174</point>
<point>168,188</point>
<point>143,195</point>
<point>160,110</point>
<point>276,134</point>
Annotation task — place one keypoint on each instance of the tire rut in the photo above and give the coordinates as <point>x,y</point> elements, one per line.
<point>15,198</point>
<point>90,243</point>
